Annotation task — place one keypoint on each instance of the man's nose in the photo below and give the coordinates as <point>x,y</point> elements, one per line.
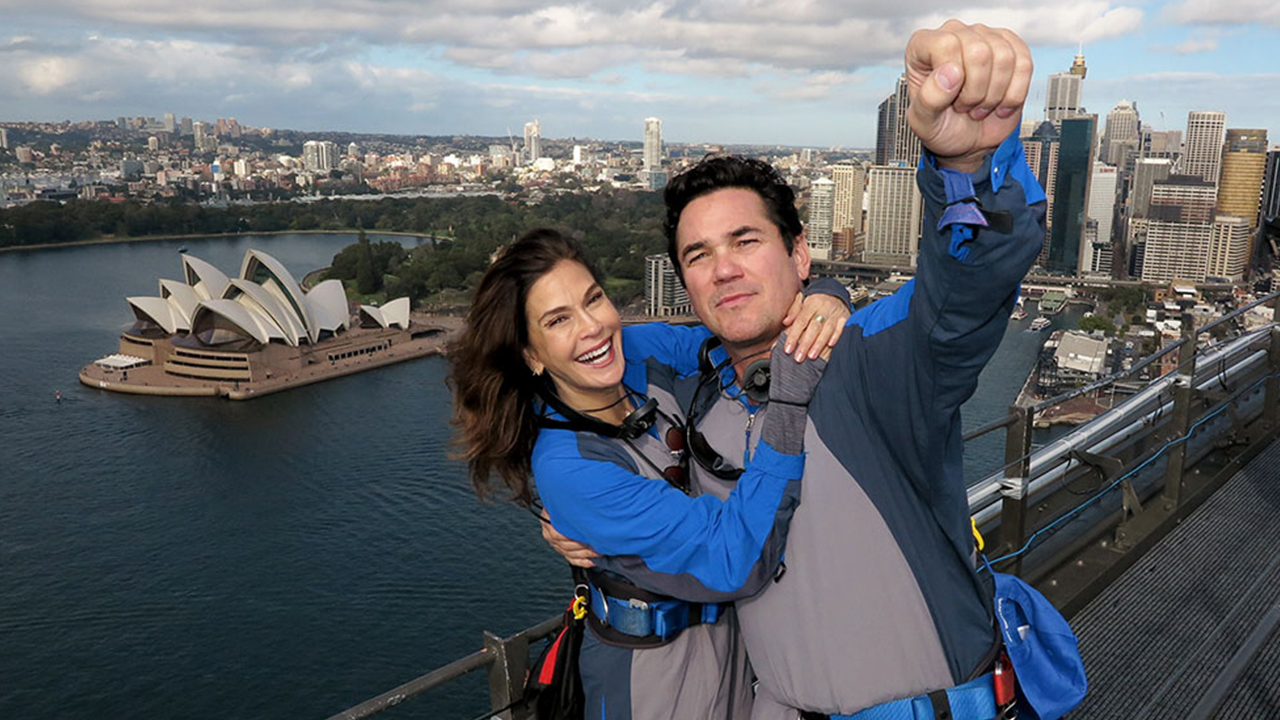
<point>726,267</point>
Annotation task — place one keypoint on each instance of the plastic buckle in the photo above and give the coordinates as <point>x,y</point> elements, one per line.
<point>637,604</point>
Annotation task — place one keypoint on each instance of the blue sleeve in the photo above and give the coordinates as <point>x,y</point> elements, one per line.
<point>910,360</point>
<point>695,548</point>
<point>675,346</point>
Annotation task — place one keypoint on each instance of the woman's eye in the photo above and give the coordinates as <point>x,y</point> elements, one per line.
<point>595,297</point>
<point>555,321</point>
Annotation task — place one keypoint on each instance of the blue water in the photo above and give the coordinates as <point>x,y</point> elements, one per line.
<point>285,557</point>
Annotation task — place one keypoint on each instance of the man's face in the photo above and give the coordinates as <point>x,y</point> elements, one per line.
<point>736,268</point>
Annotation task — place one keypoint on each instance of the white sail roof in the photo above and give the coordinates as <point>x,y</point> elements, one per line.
<point>327,303</point>
<point>208,281</point>
<point>155,309</point>
<point>281,314</point>
<point>394,313</point>
<point>275,277</point>
<point>182,300</point>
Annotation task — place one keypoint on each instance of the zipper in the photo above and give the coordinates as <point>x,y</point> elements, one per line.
<point>746,448</point>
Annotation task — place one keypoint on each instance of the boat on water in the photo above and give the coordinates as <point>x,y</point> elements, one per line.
<point>1040,323</point>
<point>1019,312</point>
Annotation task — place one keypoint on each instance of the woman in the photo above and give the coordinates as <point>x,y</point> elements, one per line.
<point>548,386</point>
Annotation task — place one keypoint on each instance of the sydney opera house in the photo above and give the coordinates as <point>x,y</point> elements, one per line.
<point>256,333</point>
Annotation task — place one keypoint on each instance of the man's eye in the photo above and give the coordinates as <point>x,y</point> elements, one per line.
<point>747,240</point>
<point>691,259</point>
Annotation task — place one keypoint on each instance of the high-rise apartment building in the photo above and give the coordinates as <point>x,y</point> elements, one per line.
<point>1244,160</point>
<point>846,213</point>
<point>664,294</point>
<point>170,123</point>
<point>4,138</point>
<point>532,141</point>
<point>1122,132</point>
<point>1202,155</point>
<point>319,155</point>
<point>1179,230</point>
<point>894,213</point>
<point>895,142</point>
<point>186,126</point>
<point>204,140</point>
<point>652,144</point>
<point>1097,254</point>
<point>1229,245</point>
<point>822,195</point>
<point>1071,195</point>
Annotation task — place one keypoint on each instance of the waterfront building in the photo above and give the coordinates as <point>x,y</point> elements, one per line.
<point>1179,230</point>
<point>1202,155</point>
<point>1071,195</point>
<point>1121,135</point>
<point>894,213</point>
<point>652,144</point>
<point>818,231</point>
<point>1244,160</point>
<point>664,293</point>
<point>1101,211</point>
<point>532,141</point>
<point>243,336</point>
<point>850,181</point>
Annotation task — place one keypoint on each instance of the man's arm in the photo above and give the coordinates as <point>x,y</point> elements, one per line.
<point>918,354</point>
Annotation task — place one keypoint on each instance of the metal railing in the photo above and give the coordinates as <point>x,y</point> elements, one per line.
<point>1141,448</point>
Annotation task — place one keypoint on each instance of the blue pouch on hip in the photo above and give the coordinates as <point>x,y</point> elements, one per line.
<point>1043,649</point>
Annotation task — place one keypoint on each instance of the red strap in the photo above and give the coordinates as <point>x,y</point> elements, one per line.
<point>1004,680</point>
<point>548,671</point>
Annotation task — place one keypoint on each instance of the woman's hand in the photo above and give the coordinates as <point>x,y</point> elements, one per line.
<point>575,552</point>
<point>815,324</point>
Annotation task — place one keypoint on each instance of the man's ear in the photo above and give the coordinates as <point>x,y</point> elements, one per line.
<point>800,256</point>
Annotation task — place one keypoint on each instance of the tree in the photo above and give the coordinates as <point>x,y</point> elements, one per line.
<point>1097,322</point>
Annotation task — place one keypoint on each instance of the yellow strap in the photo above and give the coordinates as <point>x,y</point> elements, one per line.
<point>977,536</point>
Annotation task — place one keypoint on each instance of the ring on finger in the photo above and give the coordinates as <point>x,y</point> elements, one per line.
<point>819,318</point>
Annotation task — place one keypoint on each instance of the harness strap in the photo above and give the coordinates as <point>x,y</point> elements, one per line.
<point>654,619</point>
<point>974,700</point>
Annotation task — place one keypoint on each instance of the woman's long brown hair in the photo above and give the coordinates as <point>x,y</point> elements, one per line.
<point>493,388</point>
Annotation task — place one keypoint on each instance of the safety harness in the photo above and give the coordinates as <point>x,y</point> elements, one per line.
<point>624,615</point>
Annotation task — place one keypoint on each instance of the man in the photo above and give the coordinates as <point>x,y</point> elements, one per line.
<point>879,601</point>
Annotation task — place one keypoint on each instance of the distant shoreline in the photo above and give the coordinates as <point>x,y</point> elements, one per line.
<point>199,236</point>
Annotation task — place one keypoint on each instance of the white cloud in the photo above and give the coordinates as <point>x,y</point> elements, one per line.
<point>44,75</point>
<point>1225,12</point>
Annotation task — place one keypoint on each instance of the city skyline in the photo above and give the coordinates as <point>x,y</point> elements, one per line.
<point>734,72</point>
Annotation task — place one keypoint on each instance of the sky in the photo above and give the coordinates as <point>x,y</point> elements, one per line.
<point>800,72</point>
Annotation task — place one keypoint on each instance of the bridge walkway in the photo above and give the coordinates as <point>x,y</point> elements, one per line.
<point>1190,630</point>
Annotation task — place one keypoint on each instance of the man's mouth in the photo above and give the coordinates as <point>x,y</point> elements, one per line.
<point>734,299</point>
<point>598,356</point>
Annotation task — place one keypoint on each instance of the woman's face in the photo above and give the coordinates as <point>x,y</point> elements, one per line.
<point>575,335</point>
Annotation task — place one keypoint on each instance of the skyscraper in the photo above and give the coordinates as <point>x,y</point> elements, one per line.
<point>1202,155</point>
<point>1146,173</point>
<point>1244,160</point>
<point>1065,91</point>
<point>1229,244</point>
<point>1071,195</point>
<point>170,122</point>
<point>187,127</point>
<point>1121,131</point>
<point>894,212</point>
<point>886,118</point>
<point>652,143</point>
<point>895,142</point>
<point>664,294</point>
<point>532,141</point>
<point>821,201</point>
<point>203,139</point>
<point>1271,185</point>
<point>1096,256</point>
<point>850,180</point>
<point>4,139</point>
<point>1179,230</point>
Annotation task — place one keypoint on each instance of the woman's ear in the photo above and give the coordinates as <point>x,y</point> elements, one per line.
<point>531,359</point>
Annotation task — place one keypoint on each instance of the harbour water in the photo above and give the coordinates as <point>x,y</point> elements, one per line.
<point>285,557</point>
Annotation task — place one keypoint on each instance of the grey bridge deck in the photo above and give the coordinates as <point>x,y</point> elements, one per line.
<point>1189,630</point>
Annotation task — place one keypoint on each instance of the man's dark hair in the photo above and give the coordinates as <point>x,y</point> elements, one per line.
<point>732,171</point>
